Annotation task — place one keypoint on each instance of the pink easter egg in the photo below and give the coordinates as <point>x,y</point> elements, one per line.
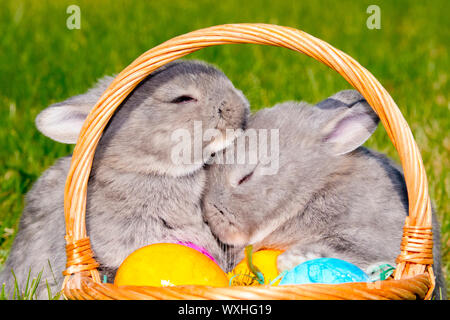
<point>198,248</point>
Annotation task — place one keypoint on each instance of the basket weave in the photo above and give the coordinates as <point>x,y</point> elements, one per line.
<point>413,277</point>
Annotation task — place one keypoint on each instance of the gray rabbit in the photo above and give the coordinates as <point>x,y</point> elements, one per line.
<point>329,198</point>
<point>137,194</point>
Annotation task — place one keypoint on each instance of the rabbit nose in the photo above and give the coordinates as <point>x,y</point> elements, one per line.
<point>223,109</point>
<point>224,112</point>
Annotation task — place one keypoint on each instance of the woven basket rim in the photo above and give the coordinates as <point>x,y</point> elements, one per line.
<point>82,277</point>
<point>409,288</point>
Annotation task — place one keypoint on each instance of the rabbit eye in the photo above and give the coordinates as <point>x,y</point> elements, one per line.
<point>183,99</point>
<point>245,178</point>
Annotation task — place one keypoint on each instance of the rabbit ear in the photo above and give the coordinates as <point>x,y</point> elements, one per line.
<point>352,121</point>
<point>344,98</point>
<point>62,121</point>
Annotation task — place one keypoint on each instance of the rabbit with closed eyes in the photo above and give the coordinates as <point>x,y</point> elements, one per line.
<point>136,194</point>
<point>330,197</point>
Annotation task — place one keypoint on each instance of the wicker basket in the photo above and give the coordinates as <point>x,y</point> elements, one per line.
<point>413,277</point>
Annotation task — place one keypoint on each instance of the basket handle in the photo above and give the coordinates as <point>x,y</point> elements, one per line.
<point>416,249</point>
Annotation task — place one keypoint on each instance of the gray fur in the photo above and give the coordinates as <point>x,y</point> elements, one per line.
<point>330,197</point>
<point>136,195</point>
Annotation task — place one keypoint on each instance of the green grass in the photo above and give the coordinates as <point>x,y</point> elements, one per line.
<point>42,62</point>
<point>29,290</point>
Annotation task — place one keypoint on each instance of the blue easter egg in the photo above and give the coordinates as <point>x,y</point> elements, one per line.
<point>324,270</point>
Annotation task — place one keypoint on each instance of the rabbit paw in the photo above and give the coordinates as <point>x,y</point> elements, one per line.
<point>292,258</point>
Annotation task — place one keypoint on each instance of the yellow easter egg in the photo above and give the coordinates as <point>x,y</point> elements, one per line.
<point>169,264</point>
<point>265,261</point>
